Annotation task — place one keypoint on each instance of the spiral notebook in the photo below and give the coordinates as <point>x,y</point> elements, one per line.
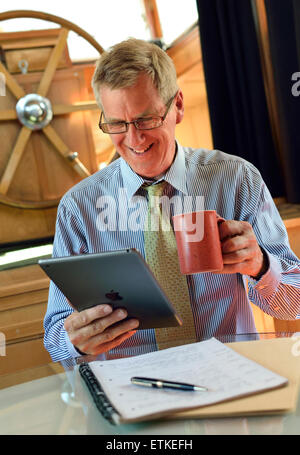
<point>227,374</point>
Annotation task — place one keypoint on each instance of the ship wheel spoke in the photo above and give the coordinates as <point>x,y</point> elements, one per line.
<point>64,151</point>
<point>11,83</point>
<point>61,109</point>
<point>52,63</point>
<point>8,114</point>
<point>14,159</point>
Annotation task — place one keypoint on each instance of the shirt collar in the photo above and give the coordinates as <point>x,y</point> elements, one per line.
<point>132,181</point>
<point>175,175</point>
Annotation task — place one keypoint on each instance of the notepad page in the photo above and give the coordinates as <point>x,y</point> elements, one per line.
<point>209,363</point>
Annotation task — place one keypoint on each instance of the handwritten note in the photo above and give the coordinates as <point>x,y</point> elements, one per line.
<point>209,363</point>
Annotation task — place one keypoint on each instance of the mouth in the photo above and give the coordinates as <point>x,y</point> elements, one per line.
<point>141,151</point>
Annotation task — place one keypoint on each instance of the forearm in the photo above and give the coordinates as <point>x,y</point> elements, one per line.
<point>56,340</point>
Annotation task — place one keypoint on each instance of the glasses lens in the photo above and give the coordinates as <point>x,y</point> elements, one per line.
<point>148,123</point>
<point>113,128</point>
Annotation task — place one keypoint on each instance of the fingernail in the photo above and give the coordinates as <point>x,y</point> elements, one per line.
<point>134,323</point>
<point>122,313</point>
<point>107,309</point>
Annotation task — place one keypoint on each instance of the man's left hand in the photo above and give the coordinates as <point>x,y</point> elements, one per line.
<point>240,250</point>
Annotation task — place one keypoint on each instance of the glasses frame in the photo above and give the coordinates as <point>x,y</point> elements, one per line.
<point>135,122</point>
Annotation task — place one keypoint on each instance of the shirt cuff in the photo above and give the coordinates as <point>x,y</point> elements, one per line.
<point>269,282</point>
<point>71,348</point>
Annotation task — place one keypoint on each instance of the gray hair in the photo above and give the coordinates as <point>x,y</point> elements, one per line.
<point>120,66</point>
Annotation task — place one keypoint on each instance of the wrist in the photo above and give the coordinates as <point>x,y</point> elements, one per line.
<point>80,352</point>
<point>264,267</point>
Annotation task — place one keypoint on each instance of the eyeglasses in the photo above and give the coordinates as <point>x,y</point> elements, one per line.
<point>147,123</point>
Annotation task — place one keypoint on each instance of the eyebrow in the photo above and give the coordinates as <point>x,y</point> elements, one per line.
<point>146,113</point>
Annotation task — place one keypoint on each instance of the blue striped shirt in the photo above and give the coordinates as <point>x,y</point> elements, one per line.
<point>220,304</point>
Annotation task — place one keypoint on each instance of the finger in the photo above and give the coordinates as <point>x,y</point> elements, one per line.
<point>240,248</point>
<point>95,327</point>
<point>251,266</point>
<point>232,244</point>
<point>237,257</point>
<point>83,318</point>
<point>230,228</point>
<point>104,347</point>
<point>114,332</point>
<point>109,336</point>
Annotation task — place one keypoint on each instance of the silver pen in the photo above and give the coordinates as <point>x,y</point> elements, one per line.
<point>163,384</point>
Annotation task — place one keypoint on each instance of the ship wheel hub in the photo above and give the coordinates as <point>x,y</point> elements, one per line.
<point>34,111</point>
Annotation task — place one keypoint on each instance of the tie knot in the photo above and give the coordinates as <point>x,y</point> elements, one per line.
<point>155,190</point>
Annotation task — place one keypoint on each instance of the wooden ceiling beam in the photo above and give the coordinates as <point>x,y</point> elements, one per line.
<point>152,18</point>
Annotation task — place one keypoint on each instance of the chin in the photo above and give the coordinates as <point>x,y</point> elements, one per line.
<point>150,171</point>
<point>144,173</point>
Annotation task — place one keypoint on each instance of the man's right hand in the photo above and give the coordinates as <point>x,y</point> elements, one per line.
<point>99,329</point>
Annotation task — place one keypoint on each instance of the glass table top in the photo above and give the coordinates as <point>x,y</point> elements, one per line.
<point>52,399</point>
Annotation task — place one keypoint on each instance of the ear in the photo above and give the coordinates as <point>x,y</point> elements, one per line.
<point>179,104</point>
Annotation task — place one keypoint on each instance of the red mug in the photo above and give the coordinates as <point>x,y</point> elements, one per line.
<point>198,241</point>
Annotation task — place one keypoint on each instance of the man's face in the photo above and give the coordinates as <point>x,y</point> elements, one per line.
<point>148,152</point>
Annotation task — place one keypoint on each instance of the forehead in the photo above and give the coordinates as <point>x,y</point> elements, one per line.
<point>142,98</point>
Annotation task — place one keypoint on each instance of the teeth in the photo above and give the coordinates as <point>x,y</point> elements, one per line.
<point>142,151</point>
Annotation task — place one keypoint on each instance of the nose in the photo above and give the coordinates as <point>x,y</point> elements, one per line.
<point>134,137</point>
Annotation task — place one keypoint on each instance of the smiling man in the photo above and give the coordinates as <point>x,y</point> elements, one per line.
<point>136,88</point>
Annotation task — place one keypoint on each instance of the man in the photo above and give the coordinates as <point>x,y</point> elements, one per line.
<point>136,88</point>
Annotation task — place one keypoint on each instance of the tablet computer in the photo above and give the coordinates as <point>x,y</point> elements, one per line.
<point>121,279</point>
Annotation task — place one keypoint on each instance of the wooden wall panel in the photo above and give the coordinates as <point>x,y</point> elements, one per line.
<point>293,228</point>
<point>23,302</point>
<point>22,356</point>
<point>194,130</point>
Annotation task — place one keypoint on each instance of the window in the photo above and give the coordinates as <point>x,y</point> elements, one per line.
<point>108,22</point>
<point>176,16</point>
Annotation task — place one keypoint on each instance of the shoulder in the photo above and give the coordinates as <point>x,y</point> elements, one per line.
<point>207,157</point>
<point>204,159</point>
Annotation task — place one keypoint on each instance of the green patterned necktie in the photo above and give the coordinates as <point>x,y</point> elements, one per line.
<point>162,258</point>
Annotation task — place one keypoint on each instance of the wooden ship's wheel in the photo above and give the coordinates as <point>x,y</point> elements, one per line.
<point>42,115</point>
